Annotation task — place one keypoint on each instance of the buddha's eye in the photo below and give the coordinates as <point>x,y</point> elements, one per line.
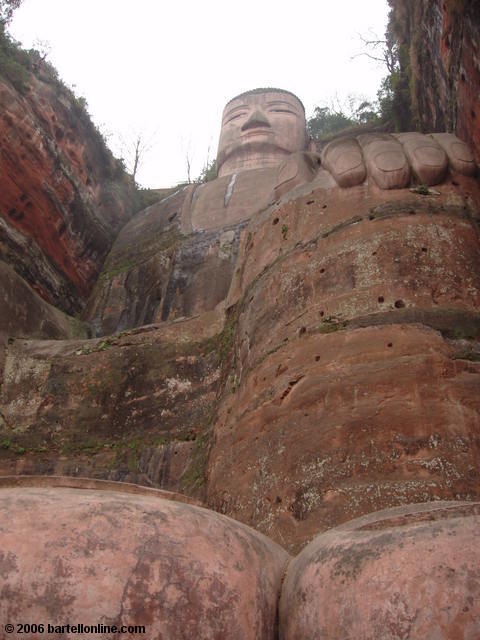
<point>283,111</point>
<point>234,117</point>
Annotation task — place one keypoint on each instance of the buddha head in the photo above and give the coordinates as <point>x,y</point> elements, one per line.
<point>259,129</point>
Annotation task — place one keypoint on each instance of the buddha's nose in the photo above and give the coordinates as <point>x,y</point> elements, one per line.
<point>257,119</point>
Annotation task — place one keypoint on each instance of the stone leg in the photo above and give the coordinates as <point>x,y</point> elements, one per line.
<point>409,572</point>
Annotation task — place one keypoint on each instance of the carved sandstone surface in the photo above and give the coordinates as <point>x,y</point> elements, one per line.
<point>409,572</point>
<point>62,201</point>
<point>98,556</point>
<point>349,365</point>
<point>133,407</point>
<point>181,571</point>
<point>343,377</point>
<point>355,376</point>
<point>157,270</point>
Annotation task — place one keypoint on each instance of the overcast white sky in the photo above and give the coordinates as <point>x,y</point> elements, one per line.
<point>167,68</point>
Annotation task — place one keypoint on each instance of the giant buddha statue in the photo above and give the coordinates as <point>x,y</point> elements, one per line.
<point>305,362</point>
<point>264,154</point>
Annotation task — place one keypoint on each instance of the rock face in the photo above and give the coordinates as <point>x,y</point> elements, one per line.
<point>63,195</point>
<point>158,270</point>
<point>178,570</point>
<point>135,407</point>
<point>410,572</point>
<point>443,41</point>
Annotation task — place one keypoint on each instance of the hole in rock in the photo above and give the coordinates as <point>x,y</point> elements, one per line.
<point>302,330</point>
<point>411,212</point>
<point>463,77</point>
<point>371,217</point>
<point>324,206</point>
<point>390,344</point>
<point>172,216</point>
<point>455,183</point>
<point>424,249</point>
<point>399,304</point>
<point>374,253</point>
<point>317,358</point>
<point>275,221</point>
<point>310,201</point>
<point>291,384</point>
<point>381,299</point>
<point>322,270</point>
<point>322,313</point>
<point>473,114</point>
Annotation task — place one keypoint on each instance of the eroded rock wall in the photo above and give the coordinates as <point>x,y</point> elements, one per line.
<point>134,407</point>
<point>63,195</point>
<point>158,271</point>
<point>443,42</point>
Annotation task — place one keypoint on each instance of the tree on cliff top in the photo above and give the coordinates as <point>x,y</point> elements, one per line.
<point>7,7</point>
<point>335,118</point>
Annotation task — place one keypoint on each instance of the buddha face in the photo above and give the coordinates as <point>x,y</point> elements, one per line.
<point>259,129</point>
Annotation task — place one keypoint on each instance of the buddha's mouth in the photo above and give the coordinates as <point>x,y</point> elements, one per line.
<point>259,131</point>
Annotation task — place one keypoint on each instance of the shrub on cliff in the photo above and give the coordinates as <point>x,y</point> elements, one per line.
<point>209,172</point>
<point>329,120</point>
<point>14,63</point>
<point>7,7</point>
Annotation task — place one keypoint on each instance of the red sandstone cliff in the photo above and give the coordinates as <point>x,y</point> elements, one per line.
<point>443,42</point>
<point>63,196</point>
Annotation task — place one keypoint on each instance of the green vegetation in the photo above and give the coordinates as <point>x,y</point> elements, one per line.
<point>284,231</point>
<point>105,344</point>
<point>422,190</point>
<point>330,120</point>
<point>209,172</point>
<point>393,109</point>
<point>7,7</point>
<point>226,338</point>
<point>331,324</point>
<point>194,477</point>
<point>15,63</point>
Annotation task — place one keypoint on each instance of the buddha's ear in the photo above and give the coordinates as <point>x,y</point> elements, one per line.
<point>311,145</point>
